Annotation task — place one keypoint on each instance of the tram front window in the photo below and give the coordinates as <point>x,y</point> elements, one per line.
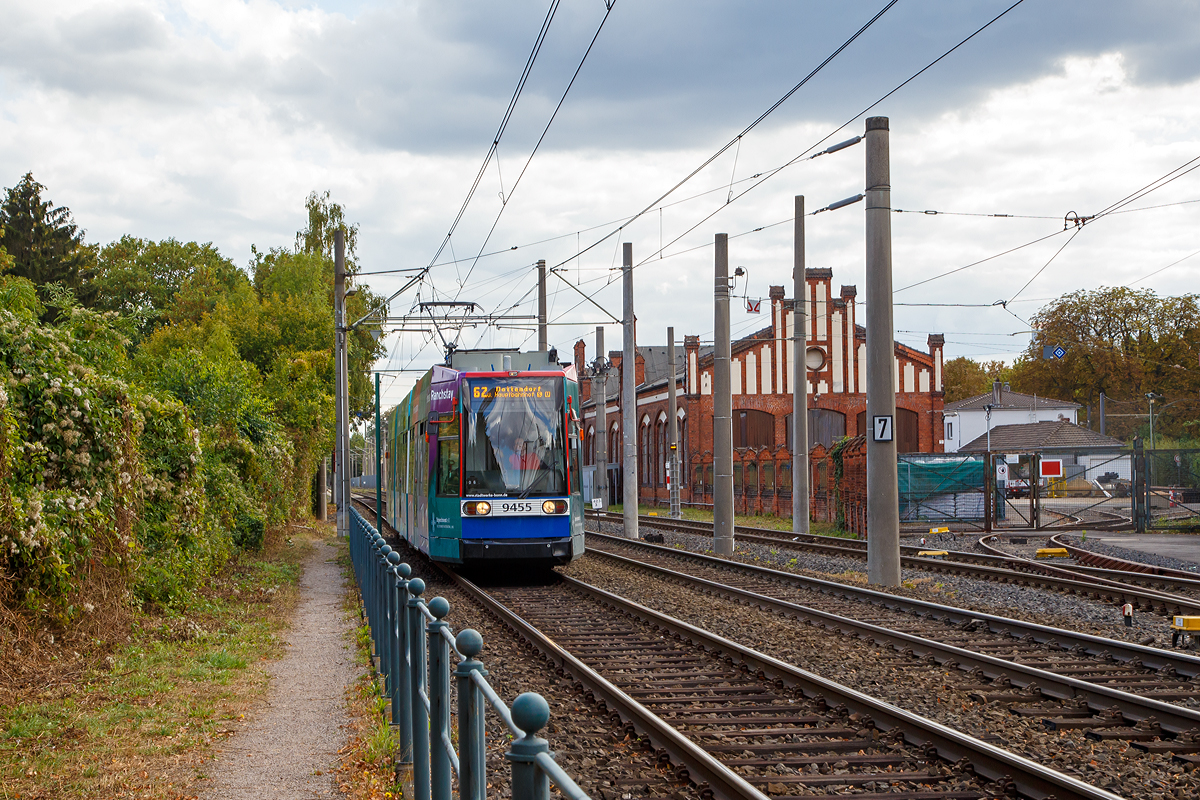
<point>513,437</point>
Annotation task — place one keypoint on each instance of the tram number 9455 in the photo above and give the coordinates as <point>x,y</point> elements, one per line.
<point>516,507</point>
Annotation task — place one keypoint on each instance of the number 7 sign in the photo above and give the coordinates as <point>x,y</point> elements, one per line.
<point>883,428</point>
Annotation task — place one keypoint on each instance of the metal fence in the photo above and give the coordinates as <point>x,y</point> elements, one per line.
<point>414,646</point>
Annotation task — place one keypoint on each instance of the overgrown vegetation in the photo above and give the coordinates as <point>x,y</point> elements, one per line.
<point>141,725</point>
<point>161,411</point>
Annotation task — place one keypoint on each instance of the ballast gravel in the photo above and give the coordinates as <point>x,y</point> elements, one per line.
<point>1026,603</point>
<point>924,689</point>
<point>594,752</point>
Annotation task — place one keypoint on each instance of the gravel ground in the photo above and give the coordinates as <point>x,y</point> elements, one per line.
<point>922,689</point>
<point>290,744</point>
<point>1025,603</point>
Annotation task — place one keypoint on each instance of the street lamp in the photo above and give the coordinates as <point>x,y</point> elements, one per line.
<point>1151,397</point>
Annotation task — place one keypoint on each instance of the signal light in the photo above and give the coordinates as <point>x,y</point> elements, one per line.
<point>478,508</point>
<point>554,507</point>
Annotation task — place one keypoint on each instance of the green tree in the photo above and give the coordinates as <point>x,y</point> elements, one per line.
<point>1122,342</point>
<point>964,377</point>
<point>141,279</point>
<point>45,243</point>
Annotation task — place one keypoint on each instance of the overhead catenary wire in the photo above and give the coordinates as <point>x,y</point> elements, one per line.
<point>772,173</point>
<point>724,148</point>
<point>609,5</point>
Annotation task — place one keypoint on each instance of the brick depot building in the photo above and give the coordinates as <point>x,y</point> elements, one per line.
<point>762,377</point>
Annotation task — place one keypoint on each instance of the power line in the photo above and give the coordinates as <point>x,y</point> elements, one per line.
<point>653,204</point>
<point>508,112</point>
<point>772,173</point>
<point>1161,269</point>
<point>504,201</point>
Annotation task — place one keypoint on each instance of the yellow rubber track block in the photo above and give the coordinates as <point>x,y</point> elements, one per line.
<point>936,531</point>
<point>1053,552</point>
<point>1185,623</point>
<point>932,554</point>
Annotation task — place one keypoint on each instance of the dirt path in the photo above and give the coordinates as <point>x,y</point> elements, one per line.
<point>287,750</point>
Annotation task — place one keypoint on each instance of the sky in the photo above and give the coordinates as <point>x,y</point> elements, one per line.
<point>212,120</point>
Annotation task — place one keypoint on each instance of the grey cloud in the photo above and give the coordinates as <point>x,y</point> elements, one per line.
<point>434,77</point>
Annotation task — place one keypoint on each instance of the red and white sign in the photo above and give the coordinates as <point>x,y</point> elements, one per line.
<point>753,306</point>
<point>1052,468</point>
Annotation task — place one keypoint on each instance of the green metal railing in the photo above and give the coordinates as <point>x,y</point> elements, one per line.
<point>414,646</point>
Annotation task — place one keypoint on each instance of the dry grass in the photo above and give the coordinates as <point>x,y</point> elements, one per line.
<point>136,716</point>
<point>366,762</point>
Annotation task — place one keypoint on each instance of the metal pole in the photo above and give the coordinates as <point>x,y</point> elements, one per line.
<point>722,407</point>
<point>378,463</point>
<point>472,750</point>
<point>1102,398</point>
<point>323,489</point>
<point>439,701</point>
<point>600,396</point>
<point>800,510</point>
<point>418,673</point>
<point>883,509</point>
<point>672,428</point>
<point>342,473</point>
<point>629,401</point>
<point>543,344</point>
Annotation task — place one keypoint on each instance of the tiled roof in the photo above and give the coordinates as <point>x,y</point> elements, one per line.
<point>1039,436</point>
<point>1008,399</point>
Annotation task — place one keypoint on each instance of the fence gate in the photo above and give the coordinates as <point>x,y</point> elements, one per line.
<point>1083,488</point>
<point>1169,489</point>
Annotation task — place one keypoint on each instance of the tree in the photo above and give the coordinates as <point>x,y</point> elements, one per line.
<point>45,243</point>
<point>324,218</point>
<point>964,377</point>
<point>1122,342</point>
<point>140,278</point>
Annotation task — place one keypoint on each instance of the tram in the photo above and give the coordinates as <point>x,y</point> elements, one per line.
<point>483,460</point>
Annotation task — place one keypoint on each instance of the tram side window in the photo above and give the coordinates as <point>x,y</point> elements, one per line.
<point>447,462</point>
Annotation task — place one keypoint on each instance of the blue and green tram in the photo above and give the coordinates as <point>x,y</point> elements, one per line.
<point>483,461</point>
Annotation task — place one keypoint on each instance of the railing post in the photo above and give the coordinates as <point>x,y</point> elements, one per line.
<point>439,700</point>
<point>385,620</point>
<point>472,764</point>
<point>402,691</point>
<point>530,713</point>
<point>420,719</point>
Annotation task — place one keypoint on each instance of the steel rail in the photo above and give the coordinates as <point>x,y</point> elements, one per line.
<point>701,766</point>
<point>1121,564</point>
<point>1030,779</point>
<point>959,562</point>
<point>1150,657</point>
<point>1174,719</point>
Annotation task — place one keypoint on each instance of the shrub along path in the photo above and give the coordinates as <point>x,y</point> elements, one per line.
<point>289,748</point>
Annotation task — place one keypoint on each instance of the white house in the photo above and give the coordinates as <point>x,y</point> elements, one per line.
<point>966,420</point>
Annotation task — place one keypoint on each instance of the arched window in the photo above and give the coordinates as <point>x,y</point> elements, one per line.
<point>660,459</point>
<point>644,454</point>
<point>752,428</point>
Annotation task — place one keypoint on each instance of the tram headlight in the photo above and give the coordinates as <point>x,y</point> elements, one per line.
<point>477,508</point>
<point>554,507</point>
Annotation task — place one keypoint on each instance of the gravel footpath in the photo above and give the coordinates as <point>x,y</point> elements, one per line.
<point>920,688</point>
<point>289,746</point>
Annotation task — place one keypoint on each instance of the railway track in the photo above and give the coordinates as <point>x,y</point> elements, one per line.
<point>1070,673</point>
<point>993,566</point>
<point>745,725</point>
